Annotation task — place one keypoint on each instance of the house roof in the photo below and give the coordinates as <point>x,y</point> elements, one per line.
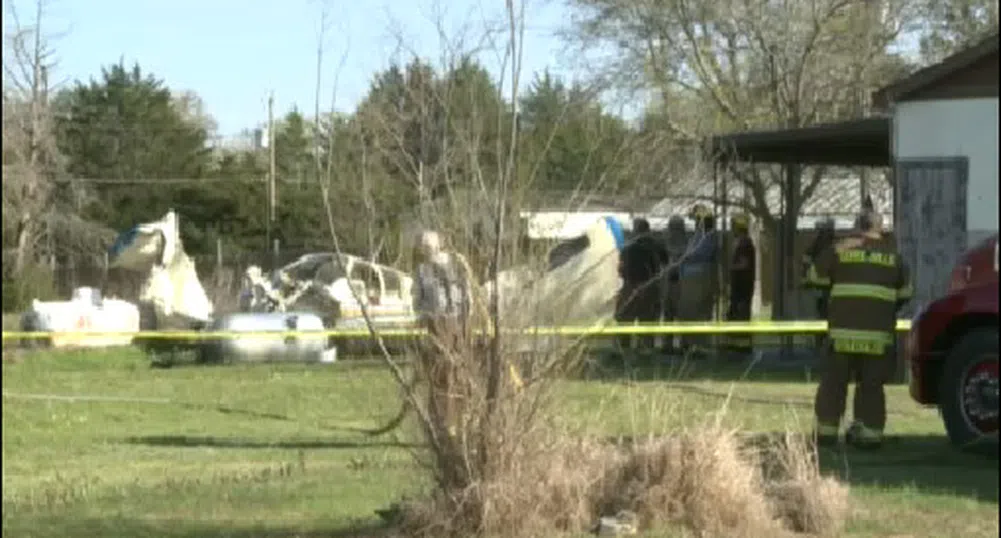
<point>836,196</point>
<point>928,76</point>
<point>556,200</point>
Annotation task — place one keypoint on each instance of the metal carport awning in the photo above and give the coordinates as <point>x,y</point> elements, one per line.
<point>862,142</point>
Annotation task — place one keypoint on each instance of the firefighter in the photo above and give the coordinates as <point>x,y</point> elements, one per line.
<point>699,276</point>
<point>868,284</point>
<point>640,267</point>
<point>742,278</point>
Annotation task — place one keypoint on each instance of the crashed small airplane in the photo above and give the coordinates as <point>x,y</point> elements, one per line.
<point>577,286</point>
<point>336,287</point>
<point>171,297</point>
<point>329,290</point>
<point>316,292</point>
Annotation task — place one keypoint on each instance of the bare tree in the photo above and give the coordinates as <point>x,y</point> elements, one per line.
<point>948,27</point>
<point>29,149</point>
<point>740,65</point>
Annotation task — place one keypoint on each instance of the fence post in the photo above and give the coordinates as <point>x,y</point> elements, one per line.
<point>218,262</point>
<point>71,259</point>
<point>218,254</point>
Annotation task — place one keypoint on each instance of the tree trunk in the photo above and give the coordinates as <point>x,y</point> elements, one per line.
<point>24,229</point>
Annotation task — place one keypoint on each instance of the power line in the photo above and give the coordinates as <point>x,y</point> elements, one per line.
<point>161,181</point>
<point>258,180</point>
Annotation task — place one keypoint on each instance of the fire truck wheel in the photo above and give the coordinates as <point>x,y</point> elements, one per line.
<point>968,394</point>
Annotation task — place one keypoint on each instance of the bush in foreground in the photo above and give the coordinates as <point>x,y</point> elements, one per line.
<point>545,480</point>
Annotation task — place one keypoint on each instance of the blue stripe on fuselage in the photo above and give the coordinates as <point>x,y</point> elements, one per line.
<point>122,242</point>
<point>616,230</point>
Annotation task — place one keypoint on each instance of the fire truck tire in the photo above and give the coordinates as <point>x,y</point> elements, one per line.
<point>968,391</point>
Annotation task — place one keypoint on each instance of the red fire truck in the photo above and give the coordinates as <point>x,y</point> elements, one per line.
<point>952,350</point>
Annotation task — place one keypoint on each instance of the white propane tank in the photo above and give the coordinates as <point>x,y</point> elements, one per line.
<point>278,347</point>
<point>86,312</point>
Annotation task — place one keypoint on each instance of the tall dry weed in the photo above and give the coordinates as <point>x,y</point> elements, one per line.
<point>501,466</point>
<point>708,480</point>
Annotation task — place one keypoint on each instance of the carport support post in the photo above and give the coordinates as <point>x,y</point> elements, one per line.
<point>719,249</point>
<point>787,242</point>
<point>901,373</point>
<point>725,244</point>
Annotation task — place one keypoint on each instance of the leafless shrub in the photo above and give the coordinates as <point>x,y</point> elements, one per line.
<point>502,466</point>
<point>704,479</point>
<point>803,499</point>
<point>39,217</point>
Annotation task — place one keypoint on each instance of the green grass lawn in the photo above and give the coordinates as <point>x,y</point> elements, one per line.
<point>269,451</point>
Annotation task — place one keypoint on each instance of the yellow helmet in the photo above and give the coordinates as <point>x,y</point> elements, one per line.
<point>699,211</point>
<point>740,220</point>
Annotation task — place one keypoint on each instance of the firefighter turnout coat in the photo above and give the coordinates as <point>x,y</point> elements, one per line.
<point>868,283</point>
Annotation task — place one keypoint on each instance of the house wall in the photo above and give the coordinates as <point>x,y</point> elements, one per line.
<point>956,128</point>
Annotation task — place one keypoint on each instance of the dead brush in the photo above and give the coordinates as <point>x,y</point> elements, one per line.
<point>499,464</point>
<point>705,478</point>
<point>805,500</point>
<point>701,478</point>
<point>501,467</point>
<point>498,468</point>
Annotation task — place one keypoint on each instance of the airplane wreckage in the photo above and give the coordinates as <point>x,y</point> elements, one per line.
<point>317,292</point>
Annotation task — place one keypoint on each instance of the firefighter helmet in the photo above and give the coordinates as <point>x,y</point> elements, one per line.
<point>740,221</point>
<point>699,212</point>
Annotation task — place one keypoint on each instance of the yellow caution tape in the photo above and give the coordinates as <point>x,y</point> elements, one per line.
<point>728,327</point>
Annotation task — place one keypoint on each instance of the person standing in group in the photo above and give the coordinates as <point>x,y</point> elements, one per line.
<point>699,276</point>
<point>442,301</point>
<point>743,273</point>
<point>868,284</point>
<point>823,241</point>
<point>640,265</point>
<point>677,243</point>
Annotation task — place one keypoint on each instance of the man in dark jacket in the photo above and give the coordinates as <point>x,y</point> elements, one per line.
<point>640,266</point>
<point>677,245</point>
<point>699,271</point>
<point>742,278</point>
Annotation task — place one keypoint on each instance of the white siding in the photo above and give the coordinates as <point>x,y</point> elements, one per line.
<point>956,128</point>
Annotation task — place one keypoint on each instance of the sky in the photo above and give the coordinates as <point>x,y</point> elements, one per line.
<point>233,53</point>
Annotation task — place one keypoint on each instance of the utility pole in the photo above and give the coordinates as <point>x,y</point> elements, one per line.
<point>870,18</point>
<point>272,184</point>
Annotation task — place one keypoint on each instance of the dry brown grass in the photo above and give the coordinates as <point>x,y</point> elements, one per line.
<point>543,479</point>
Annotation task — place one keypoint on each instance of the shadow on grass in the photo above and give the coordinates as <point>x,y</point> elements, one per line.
<point>185,441</point>
<point>643,367</point>
<point>928,463</point>
<point>183,528</point>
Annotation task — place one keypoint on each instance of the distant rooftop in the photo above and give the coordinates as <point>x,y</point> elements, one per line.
<point>837,195</point>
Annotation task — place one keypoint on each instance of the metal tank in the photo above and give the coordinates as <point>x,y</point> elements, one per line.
<point>261,348</point>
